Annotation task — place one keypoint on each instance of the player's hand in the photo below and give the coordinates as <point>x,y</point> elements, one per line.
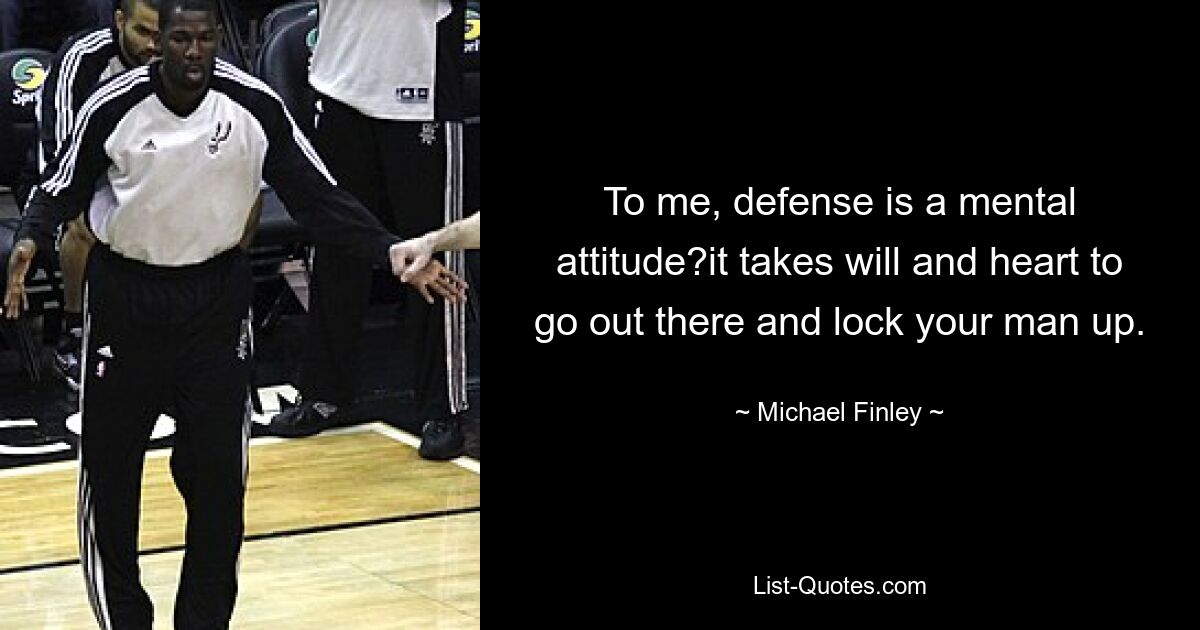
<point>410,257</point>
<point>15,299</point>
<point>441,281</point>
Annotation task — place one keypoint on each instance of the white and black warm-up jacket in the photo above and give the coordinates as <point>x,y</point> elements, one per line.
<point>83,61</point>
<point>183,186</point>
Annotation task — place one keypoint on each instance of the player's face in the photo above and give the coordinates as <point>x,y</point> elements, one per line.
<point>139,33</point>
<point>189,48</point>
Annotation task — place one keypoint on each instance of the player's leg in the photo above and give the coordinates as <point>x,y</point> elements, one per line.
<point>123,377</point>
<point>74,247</point>
<point>429,197</point>
<point>348,144</point>
<point>210,459</point>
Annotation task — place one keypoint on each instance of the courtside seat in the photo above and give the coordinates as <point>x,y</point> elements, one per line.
<point>45,298</point>
<point>279,245</point>
<point>283,15</point>
<point>283,65</point>
<point>22,72</point>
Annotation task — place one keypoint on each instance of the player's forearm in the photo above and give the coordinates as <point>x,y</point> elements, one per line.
<point>338,220</point>
<point>463,234</point>
<point>40,221</point>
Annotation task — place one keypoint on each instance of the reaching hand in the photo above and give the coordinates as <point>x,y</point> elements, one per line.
<point>15,299</point>
<point>445,283</point>
<point>410,257</point>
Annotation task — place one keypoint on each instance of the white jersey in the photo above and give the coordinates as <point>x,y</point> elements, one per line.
<point>380,56</point>
<point>182,186</point>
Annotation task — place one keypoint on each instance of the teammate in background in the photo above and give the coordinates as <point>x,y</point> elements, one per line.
<point>388,77</point>
<point>84,61</point>
<point>419,268</point>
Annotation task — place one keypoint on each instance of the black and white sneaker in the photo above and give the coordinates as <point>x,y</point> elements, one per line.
<point>302,420</point>
<point>442,439</point>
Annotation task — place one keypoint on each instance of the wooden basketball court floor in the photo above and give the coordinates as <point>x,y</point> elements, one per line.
<point>347,529</point>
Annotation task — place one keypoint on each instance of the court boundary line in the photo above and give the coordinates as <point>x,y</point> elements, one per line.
<point>400,435</point>
<point>376,426</point>
<point>379,427</point>
<point>283,533</point>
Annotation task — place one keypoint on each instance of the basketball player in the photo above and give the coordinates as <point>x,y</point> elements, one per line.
<point>388,77</point>
<point>185,143</point>
<point>85,60</point>
<point>417,265</point>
